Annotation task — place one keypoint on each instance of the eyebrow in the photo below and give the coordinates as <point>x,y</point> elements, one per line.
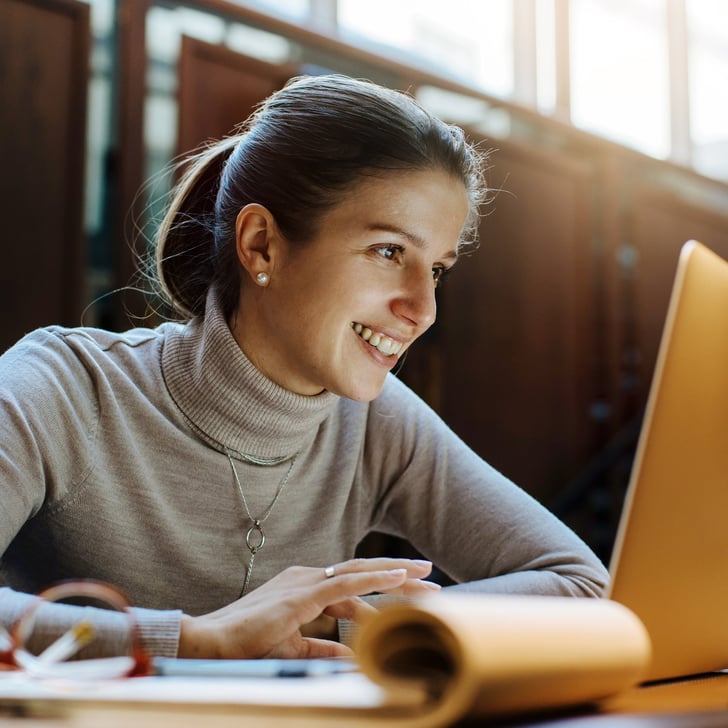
<point>416,240</point>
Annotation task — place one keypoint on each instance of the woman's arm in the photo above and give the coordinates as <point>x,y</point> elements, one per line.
<point>476,525</point>
<point>265,623</point>
<point>49,412</point>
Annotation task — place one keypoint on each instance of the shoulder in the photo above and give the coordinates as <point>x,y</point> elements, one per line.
<point>59,357</point>
<point>92,340</point>
<point>398,403</point>
<point>395,400</point>
<point>38,356</point>
<point>58,338</point>
<point>398,413</point>
<point>397,397</point>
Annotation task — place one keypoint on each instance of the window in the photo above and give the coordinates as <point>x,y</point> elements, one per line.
<point>469,40</point>
<point>619,72</point>
<point>708,77</point>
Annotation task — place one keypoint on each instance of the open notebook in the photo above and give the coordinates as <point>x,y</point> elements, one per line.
<point>670,562</point>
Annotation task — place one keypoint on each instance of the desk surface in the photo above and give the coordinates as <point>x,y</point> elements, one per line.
<point>699,702</point>
<point>693,703</point>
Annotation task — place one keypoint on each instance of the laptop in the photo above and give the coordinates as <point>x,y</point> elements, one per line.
<point>670,560</point>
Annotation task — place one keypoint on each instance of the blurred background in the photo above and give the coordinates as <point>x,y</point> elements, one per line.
<point>608,125</point>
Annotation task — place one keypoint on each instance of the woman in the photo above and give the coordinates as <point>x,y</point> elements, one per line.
<point>221,470</point>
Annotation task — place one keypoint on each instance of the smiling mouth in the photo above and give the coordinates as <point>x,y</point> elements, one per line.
<point>384,344</point>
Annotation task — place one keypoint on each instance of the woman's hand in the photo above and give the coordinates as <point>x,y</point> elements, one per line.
<point>267,621</point>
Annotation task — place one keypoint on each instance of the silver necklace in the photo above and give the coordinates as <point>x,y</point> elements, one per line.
<point>255,536</point>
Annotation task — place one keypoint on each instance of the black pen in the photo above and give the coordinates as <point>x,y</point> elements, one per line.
<point>315,667</point>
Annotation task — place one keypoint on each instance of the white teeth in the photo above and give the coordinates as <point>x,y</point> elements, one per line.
<point>386,346</point>
<point>383,343</point>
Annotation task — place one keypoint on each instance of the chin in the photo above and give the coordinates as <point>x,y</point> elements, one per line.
<point>360,393</point>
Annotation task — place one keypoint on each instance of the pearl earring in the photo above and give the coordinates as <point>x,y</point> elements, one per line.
<point>262,278</point>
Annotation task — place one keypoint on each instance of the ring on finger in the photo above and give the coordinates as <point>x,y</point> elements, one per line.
<point>330,571</point>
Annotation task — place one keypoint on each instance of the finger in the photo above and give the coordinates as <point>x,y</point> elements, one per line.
<point>344,586</point>
<point>355,609</point>
<point>324,648</point>
<point>324,626</point>
<point>309,647</point>
<point>415,588</point>
<point>417,568</point>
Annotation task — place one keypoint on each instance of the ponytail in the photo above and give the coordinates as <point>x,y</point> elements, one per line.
<point>187,261</point>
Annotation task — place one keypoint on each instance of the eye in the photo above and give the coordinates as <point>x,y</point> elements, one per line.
<point>390,252</point>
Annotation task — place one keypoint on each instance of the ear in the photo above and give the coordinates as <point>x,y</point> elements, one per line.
<point>256,241</point>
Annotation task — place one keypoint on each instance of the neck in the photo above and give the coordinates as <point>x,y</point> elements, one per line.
<point>228,400</point>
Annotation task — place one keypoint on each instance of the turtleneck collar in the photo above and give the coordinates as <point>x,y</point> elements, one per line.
<point>229,402</point>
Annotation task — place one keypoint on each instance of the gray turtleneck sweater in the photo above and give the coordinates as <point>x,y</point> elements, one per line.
<point>114,465</point>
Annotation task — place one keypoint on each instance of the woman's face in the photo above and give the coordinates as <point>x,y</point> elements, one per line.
<point>341,310</point>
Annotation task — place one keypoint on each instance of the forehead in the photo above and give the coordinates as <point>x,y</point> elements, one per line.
<point>421,203</point>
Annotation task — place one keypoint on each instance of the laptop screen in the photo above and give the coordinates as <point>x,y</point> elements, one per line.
<point>670,560</point>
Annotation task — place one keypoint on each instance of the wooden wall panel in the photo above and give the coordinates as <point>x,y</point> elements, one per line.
<point>128,165</point>
<point>660,224</point>
<point>218,89</point>
<point>43,86</point>
<point>516,333</point>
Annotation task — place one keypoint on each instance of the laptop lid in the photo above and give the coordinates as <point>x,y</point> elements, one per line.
<point>670,560</point>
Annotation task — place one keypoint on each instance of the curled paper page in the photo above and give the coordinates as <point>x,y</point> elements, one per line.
<point>470,654</point>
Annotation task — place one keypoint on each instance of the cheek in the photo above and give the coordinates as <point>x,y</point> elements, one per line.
<point>335,295</point>
<point>333,292</point>
<point>312,312</point>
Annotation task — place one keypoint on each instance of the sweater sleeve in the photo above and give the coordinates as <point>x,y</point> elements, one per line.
<point>48,421</point>
<point>476,525</point>
<point>158,630</point>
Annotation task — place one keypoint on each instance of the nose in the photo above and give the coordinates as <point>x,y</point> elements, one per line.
<point>415,302</point>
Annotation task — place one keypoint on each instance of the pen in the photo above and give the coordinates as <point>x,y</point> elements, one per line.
<point>6,642</point>
<point>315,667</point>
<point>68,644</point>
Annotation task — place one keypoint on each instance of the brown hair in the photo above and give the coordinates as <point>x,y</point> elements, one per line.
<point>296,155</point>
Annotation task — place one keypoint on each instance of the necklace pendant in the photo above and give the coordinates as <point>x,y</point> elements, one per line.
<point>248,574</point>
<point>255,538</point>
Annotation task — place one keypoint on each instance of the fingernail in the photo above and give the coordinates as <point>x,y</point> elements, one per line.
<point>399,573</point>
<point>422,562</point>
<point>431,585</point>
